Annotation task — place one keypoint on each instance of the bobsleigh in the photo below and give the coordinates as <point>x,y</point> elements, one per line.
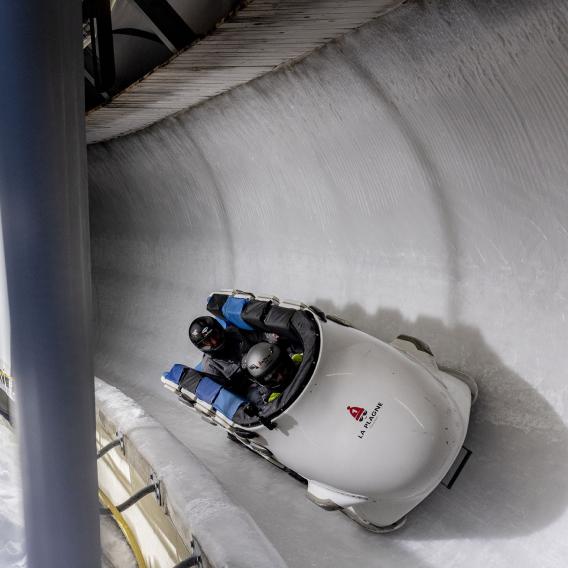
<point>373,427</point>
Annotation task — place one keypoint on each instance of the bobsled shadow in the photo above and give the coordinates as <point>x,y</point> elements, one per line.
<point>516,481</point>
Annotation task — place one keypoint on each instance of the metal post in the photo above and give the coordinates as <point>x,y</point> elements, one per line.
<point>44,218</point>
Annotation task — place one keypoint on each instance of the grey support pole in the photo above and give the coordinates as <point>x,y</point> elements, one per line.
<point>44,217</point>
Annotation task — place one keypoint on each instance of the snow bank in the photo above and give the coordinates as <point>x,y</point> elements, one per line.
<point>12,548</point>
<point>198,505</point>
<point>115,552</point>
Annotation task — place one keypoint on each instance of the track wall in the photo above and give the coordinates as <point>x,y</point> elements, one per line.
<point>410,177</point>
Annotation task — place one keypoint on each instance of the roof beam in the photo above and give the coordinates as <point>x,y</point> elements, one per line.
<point>167,24</point>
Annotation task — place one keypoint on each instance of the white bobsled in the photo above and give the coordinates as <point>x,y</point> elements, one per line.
<point>373,427</point>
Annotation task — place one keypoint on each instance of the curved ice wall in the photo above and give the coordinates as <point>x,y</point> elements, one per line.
<point>411,177</point>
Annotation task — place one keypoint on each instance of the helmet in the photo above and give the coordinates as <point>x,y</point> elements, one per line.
<point>268,364</point>
<point>207,334</point>
<point>261,358</point>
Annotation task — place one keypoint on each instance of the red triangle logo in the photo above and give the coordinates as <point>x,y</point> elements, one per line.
<point>356,411</point>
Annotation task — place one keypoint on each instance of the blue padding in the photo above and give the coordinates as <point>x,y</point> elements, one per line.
<point>207,390</point>
<point>222,322</point>
<point>174,374</point>
<point>228,403</point>
<point>199,366</point>
<point>232,312</point>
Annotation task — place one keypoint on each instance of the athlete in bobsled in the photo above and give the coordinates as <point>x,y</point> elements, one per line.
<point>224,346</point>
<point>373,427</point>
<point>270,369</point>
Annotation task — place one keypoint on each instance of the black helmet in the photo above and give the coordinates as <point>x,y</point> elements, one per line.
<point>268,364</point>
<point>207,334</point>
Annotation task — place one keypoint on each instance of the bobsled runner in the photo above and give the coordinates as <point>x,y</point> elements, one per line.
<point>373,427</point>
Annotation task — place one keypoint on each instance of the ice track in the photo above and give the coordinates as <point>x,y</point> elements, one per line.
<point>410,177</point>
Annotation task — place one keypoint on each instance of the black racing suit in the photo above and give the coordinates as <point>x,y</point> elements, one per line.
<point>226,362</point>
<point>262,394</point>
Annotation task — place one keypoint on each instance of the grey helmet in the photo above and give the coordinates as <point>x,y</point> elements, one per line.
<point>261,359</point>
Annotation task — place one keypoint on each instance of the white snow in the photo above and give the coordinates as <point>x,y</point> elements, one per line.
<point>115,550</point>
<point>12,548</point>
<point>411,178</point>
<point>196,502</point>
<point>116,553</point>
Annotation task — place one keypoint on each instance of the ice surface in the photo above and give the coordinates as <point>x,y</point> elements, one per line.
<point>12,548</point>
<point>115,550</point>
<point>116,553</point>
<point>198,505</point>
<point>412,178</point>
